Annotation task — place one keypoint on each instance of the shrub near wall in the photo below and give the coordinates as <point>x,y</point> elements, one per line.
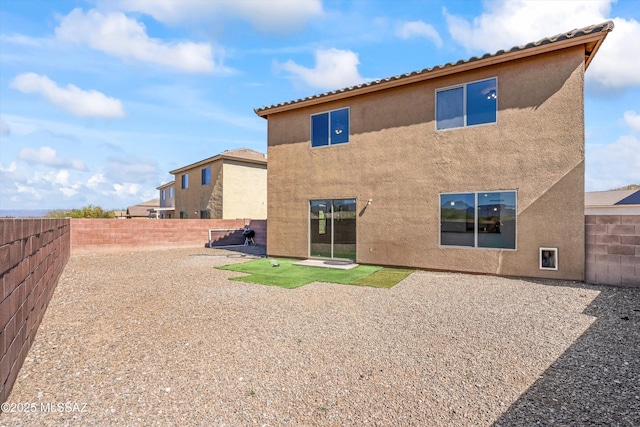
<point>111,235</point>
<point>33,253</point>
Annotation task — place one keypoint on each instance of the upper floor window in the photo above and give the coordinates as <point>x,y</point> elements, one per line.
<point>185,181</point>
<point>467,105</point>
<point>330,128</point>
<point>171,192</point>
<point>206,176</point>
<point>163,195</point>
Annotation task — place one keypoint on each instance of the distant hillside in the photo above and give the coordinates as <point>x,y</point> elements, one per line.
<point>628,187</point>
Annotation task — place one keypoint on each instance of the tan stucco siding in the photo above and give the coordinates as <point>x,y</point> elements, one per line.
<point>198,197</point>
<point>397,158</point>
<point>168,201</point>
<point>244,190</point>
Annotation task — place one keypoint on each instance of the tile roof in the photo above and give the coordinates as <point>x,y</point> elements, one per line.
<point>573,36</point>
<point>241,154</point>
<point>166,185</point>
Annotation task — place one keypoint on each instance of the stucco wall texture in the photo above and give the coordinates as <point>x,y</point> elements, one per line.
<point>396,158</point>
<point>236,190</point>
<point>244,190</point>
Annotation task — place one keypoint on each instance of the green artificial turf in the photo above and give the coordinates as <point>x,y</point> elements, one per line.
<point>383,278</point>
<point>289,276</point>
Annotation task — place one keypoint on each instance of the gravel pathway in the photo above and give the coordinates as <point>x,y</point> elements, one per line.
<point>162,338</point>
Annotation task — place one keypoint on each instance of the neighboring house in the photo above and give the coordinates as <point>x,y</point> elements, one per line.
<point>167,201</point>
<point>474,166</point>
<point>231,185</point>
<point>120,214</point>
<point>615,202</point>
<point>143,210</point>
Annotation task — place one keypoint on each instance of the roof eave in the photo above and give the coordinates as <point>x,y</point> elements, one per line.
<point>216,158</point>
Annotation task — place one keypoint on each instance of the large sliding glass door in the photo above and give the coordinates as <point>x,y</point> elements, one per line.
<point>332,228</point>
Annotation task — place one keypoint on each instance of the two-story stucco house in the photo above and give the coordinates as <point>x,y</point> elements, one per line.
<point>167,201</point>
<point>230,185</point>
<point>474,166</point>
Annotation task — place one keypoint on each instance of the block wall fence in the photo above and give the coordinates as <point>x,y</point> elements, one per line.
<point>33,253</point>
<point>612,249</point>
<point>108,235</point>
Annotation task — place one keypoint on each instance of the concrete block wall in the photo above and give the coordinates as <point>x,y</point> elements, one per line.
<point>613,249</point>
<point>33,253</point>
<point>110,235</point>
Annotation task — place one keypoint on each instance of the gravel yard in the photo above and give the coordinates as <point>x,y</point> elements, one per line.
<point>162,338</point>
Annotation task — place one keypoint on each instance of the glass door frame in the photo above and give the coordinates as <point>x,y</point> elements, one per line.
<point>330,226</point>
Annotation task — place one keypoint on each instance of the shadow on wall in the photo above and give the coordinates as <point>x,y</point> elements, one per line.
<point>596,381</point>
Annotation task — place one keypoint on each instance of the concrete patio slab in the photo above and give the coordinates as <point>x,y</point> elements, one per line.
<point>340,265</point>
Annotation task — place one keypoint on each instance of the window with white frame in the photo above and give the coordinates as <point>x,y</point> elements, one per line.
<point>330,128</point>
<point>163,195</point>
<point>185,181</point>
<point>478,219</point>
<point>469,104</point>
<point>171,192</point>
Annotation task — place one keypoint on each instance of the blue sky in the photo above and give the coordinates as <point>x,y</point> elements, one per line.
<point>99,100</point>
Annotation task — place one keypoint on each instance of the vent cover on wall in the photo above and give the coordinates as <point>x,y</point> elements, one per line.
<point>548,258</point>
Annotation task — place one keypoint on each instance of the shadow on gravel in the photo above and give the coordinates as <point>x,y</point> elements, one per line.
<point>597,380</point>
<point>240,250</point>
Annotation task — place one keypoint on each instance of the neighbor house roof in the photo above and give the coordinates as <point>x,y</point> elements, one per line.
<point>241,155</point>
<point>143,208</point>
<point>591,37</point>
<point>168,184</point>
<point>631,199</point>
<point>612,198</point>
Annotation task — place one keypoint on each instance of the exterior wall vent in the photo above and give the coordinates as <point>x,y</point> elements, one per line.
<point>548,258</point>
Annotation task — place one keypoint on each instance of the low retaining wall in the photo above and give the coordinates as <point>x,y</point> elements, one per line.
<point>613,249</point>
<point>110,235</point>
<point>33,253</point>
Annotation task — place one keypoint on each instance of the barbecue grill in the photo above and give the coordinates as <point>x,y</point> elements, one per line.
<point>249,234</point>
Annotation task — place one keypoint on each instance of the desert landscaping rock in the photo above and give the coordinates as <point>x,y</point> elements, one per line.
<point>163,338</point>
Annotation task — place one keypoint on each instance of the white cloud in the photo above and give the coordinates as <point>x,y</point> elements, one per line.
<point>614,165</point>
<point>118,35</point>
<point>96,180</point>
<point>21,40</point>
<point>334,69</point>
<point>419,29</point>
<point>68,192</point>
<point>12,167</point>
<point>508,23</point>
<point>59,178</point>
<point>11,174</point>
<point>34,192</point>
<point>71,98</point>
<point>273,16</point>
<point>47,156</point>
<point>632,119</point>
<point>126,189</point>
<point>617,63</point>
<point>131,169</point>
